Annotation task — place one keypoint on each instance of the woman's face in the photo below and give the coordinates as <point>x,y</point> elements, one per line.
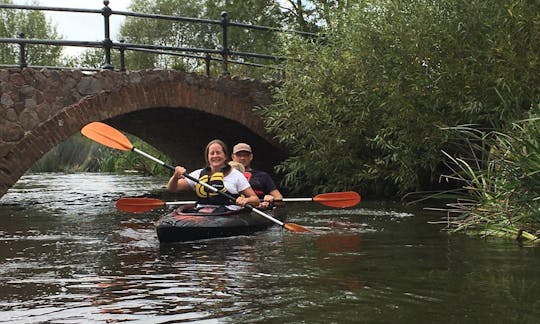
<point>216,156</point>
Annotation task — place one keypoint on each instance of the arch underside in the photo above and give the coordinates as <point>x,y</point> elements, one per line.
<point>180,133</point>
<point>175,112</point>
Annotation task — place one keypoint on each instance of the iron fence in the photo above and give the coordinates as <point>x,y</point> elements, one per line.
<point>208,55</point>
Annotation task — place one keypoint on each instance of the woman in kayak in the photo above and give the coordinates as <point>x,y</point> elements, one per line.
<point>219,175</point>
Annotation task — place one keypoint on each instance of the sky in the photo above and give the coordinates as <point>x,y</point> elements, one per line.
<point>81,26</point>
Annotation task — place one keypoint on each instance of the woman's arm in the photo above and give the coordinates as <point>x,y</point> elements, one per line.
<point>178,182</point>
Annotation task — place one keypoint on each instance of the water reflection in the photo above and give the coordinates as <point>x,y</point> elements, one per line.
<point>66,255</point>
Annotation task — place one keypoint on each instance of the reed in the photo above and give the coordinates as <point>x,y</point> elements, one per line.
<point>78,154</point>
<point>500,193</point>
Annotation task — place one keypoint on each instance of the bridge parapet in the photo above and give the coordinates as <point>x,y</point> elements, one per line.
<point>41,108</point>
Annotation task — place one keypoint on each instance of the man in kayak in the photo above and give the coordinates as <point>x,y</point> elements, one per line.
<point>219,175</point>
<point>260,181</point>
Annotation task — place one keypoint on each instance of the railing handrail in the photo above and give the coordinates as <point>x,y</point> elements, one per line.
<point>164,17</point>
<point>108,44</point>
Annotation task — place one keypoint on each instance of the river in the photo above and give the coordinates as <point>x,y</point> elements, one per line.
<point>67,256</point>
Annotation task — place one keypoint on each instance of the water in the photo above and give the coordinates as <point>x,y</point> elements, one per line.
<point>67,256</point>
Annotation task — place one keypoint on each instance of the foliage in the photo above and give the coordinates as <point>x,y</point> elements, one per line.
<point>77,154</point>
<point>501,184</point>
<point>363,108</point>
<point>197,35</point>
<point>32,24</point>
<point>269,13</point>
<point>120,161</point>
<point>93,58</point>
<point>312,16</point>
<point>72,155</point>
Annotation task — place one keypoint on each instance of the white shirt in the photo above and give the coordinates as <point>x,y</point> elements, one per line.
<point>235,182</point>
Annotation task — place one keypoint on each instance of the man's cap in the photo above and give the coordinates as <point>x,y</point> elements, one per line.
<point>241,147</point>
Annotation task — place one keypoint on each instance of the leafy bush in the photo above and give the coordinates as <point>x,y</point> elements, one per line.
<point>363,108</point>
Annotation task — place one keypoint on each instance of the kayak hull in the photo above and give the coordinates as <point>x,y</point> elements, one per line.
<point>181,225</point>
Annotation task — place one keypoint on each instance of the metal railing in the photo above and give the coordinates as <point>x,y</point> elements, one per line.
<point>207,54</point>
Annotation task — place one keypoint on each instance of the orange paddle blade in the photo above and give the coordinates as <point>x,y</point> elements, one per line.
<point>138,205</point>
<point>106,135</point>
<point>295,227</point>
<point>338,199</point>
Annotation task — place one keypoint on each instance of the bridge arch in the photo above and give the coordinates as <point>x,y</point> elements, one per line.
<point>174,111</point>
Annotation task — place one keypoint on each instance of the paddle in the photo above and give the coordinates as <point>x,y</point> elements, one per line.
<point>139,205</point>
<point>333,199</point>
<point>109,136</point>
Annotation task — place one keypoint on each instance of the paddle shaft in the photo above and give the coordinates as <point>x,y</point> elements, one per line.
<point>332,199</point>
<point>206,185</point>
<point>170,167</point>
<point>294,199</point>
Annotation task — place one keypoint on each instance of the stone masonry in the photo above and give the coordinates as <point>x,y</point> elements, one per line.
<point>39,108</point>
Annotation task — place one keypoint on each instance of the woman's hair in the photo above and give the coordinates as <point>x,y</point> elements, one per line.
<point>216,141</point>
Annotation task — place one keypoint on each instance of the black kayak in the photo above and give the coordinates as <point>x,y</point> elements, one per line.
<point>186,224</point>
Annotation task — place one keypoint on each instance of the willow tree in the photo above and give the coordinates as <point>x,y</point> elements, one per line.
<point>364,108</point>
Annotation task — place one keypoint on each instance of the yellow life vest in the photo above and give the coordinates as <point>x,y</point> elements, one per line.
<point>206,196</point>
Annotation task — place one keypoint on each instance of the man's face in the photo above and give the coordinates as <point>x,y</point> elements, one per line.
<point>243,157</point>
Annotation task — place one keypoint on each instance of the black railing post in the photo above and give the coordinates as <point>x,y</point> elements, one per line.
<point>207,60</point>
<point>224,46</point>
<point>107,43</point>
<point>122,56</point>
<point>22,53</point>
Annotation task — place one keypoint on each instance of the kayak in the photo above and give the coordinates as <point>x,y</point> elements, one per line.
<point>186,224</point>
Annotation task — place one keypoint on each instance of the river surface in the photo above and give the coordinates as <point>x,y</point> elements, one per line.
<point>67,256</point>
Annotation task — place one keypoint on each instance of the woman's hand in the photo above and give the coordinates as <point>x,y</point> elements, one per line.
<point>174,183</point>
<point>179,172</point>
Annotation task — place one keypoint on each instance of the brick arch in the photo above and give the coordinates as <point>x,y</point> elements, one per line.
<point>43,108</point>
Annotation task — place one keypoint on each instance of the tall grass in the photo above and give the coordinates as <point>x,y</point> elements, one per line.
<point>500,195</point>
<point>79,154</point>
<point>75,154</point>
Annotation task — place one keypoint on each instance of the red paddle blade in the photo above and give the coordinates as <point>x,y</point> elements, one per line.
<point>106,135</point>
<point>295,227</point>
<point>138,205</point>
<point>338,199</point>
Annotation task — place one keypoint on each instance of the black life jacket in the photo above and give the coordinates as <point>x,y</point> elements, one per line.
<point>206,196</point>
<point>255,184</point>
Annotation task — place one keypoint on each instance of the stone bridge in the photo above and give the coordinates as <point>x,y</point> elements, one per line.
<point>176,112</point>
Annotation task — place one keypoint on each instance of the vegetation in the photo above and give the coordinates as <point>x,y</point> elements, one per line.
<point>196,35</point>
<point>78,154</point>
<point>372,97</point>
<point>32,24</point>
<point>372,104</point>
<point>375,98</point>
<point>501,182</point>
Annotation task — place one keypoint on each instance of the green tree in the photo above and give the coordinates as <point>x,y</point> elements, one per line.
<point>313,16</point>
<point>196,35</point>
<point>364,107</point>
<point>31,24</point>
<point>93,58</point>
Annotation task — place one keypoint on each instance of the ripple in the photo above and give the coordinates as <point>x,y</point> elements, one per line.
<point>361,212</point>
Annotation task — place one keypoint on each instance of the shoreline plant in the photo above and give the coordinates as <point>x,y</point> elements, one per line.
<point>500,195</point>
